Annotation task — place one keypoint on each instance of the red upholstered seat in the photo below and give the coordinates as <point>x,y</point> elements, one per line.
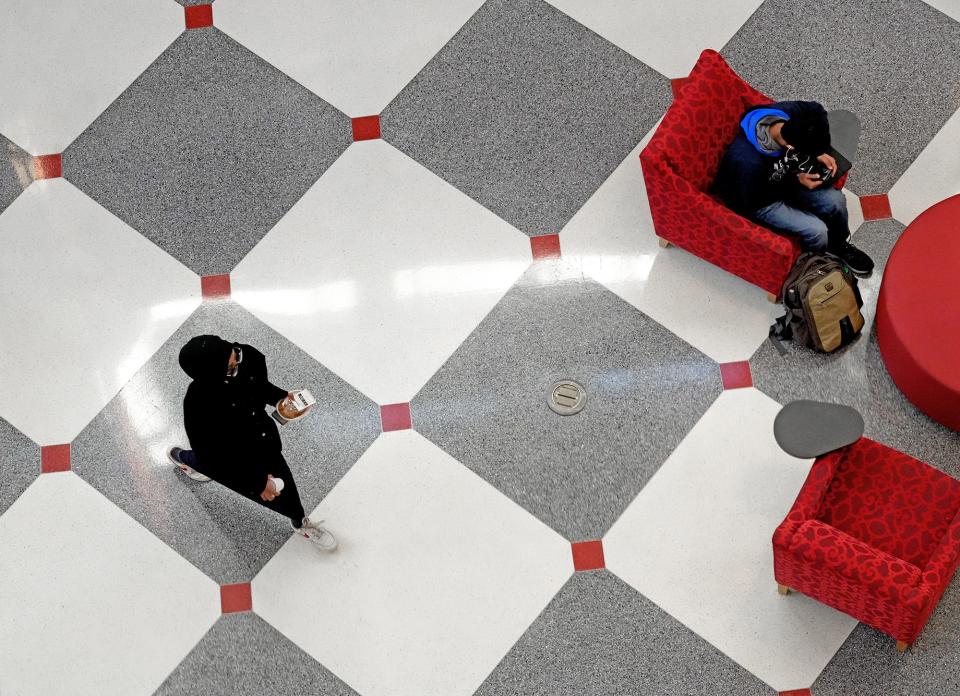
<point>890,501</point>
<point>874,533</point>
<point>680,163</point>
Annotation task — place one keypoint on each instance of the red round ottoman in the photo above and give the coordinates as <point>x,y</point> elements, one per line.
<point>918,313</point>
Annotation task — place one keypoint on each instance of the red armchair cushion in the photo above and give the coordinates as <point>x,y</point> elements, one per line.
<point>891,501</point>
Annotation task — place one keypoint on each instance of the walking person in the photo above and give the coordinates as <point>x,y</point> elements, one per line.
<point>234,441</point>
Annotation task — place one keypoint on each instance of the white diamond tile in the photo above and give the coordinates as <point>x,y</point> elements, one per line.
<point>91,603</point>
<point>437,575</point>
<point>951,8</point>
<point>854,210</point>
<point>64,62</point>
<point>381,270</point>
<point>357,55</point>
<point>933,176</point>
<point>84,302</point>
<point>612,239</point>
<point>667,35</point>
<point>697,542</point>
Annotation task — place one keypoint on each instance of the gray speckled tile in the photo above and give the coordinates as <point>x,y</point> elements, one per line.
<point>868,664</point>
<point>16,172</point>
<point>19,464</point>
<point>206,150</point>
<point>895,63</point>
<point>487,406</point>
<point>243,655</point>
<point>856,376</point>
<point>122,452</point>
<point>600,637</point>
<point>527,112</point>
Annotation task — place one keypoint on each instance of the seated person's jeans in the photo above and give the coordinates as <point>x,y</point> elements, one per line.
<point>818,217</point>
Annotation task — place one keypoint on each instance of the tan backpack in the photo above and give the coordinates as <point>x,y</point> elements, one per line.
<point>823,304</point>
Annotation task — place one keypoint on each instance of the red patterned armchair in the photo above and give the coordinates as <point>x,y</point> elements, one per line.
<point>680,163</point>
<point>874,533</point>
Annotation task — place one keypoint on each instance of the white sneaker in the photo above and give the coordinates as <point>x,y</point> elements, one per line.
<point>321,537</point>
<point>173,454</point>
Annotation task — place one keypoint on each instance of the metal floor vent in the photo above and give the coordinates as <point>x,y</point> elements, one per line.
<point>567,397</point>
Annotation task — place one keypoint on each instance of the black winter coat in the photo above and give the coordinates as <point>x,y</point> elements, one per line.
<point>743,179</point>
<point>234,438</point>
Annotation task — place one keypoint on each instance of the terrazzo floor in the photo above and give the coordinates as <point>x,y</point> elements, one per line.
<point>428,213</point>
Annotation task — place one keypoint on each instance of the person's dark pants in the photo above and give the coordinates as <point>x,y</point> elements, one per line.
<point>818,218</point>
<point>288,503</point>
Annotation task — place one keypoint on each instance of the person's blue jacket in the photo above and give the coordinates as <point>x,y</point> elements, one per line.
<point>743,179</point>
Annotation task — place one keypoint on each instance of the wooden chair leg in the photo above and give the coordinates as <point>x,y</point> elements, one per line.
<point>663,242</point>
<point>783,589</point>
<point>771,298</point>
<point>902,645</point>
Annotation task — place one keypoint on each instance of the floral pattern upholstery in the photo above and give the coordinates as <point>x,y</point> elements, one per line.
<point>680,163</point>
<point>874,533</point>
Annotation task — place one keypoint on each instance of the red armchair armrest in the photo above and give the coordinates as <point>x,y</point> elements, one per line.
<point>720,215</point>
<point>691,219</point>
<point>944,559</point>
<point>808,501</point>
<point>884,576</point>
<point>941,566</point>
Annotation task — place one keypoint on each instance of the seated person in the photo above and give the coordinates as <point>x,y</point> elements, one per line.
<point>755,180</point>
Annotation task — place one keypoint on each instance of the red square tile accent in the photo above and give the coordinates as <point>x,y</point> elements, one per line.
<point>198,16</point>
<point>876,207</point>
<point>546,246</point>
<point>395,417</point>
<point>47,166</point>
<point>54,458</point>
<point>216,287</point>
<point>588,555</point>
<point>796,692</point>
<point>235,598</point>
<point>366,128</point>
<point>736,375</point>
<point>675,85</point>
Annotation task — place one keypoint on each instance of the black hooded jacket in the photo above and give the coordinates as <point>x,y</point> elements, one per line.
<point>235,440</point>
<point>743,179</point>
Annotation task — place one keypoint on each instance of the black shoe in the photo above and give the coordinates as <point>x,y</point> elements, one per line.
<point>857,261</point>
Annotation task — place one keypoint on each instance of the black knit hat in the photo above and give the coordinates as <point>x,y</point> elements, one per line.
<point>205,357</point>
<point>808,130</point>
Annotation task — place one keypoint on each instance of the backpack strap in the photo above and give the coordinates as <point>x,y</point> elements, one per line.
<point>781,331</point>
<point>856,293</point>
<point>846,331</point>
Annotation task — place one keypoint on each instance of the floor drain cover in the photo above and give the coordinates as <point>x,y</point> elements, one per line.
<point>567,397</point>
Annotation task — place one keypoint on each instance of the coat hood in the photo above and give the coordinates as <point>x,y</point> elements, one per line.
<point>205,357</point>
<point>808,130</point>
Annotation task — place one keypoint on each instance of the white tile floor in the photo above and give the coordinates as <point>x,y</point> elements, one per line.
<point>91,603</point>
<point>379,272</point>
<point>613,240</point>
<point>62,68</point>
<point>357,55</point>
<point>948,7</point>
<point>933,176</point>
<point>696,541</point>
<point>373,284</point>
<point>437,575</point>
<point>650,36</point>
<point>78,283</point>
